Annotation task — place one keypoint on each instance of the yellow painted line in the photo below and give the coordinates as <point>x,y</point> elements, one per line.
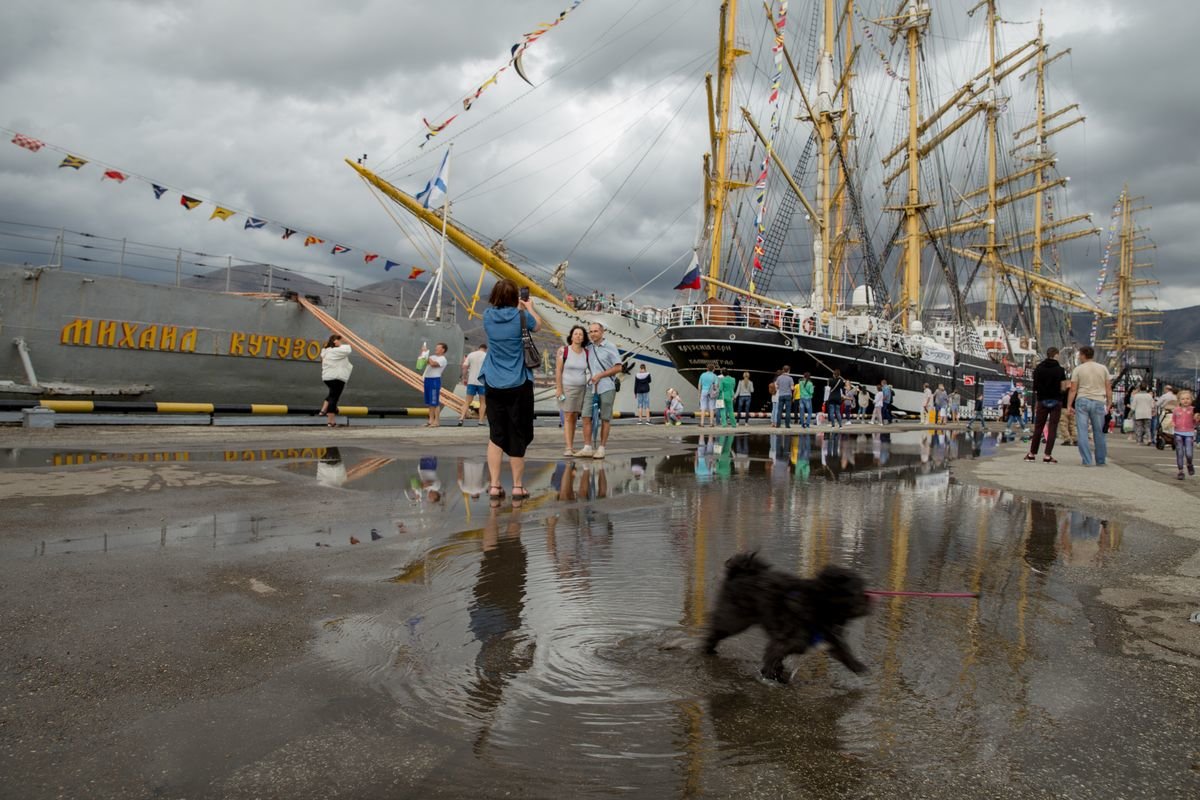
<point>352,411</point>
<point>266,408</point>
<point>69,406</point>
<point>184,408</point>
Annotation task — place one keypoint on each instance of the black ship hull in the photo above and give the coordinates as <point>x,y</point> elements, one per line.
<point>762,351</point>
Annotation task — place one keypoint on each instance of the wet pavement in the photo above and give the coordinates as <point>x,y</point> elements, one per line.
<point>351,617</point>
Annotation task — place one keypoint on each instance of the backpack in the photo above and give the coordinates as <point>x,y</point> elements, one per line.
<point>714,391</point>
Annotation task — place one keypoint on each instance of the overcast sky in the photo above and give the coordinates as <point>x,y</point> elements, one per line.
<point>255,104</point>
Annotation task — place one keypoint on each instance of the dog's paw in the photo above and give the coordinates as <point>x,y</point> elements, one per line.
<point>777,677</point>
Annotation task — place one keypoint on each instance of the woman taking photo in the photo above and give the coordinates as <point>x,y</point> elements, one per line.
<point>570,380</point>
<point>335,371</point>
<point>509,386</point>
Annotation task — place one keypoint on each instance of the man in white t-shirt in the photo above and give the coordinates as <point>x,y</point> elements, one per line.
<point>1089,400</point>
<point>476,391</point>
<point>433,383</point>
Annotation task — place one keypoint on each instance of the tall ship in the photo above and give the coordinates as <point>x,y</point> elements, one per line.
<point>887,249</point>
<point>97,321</point>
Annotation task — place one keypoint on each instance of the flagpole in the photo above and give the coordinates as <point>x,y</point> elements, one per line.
<point>445,215</point>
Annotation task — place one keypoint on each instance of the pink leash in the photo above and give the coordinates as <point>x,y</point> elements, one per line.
<point>879,593</point>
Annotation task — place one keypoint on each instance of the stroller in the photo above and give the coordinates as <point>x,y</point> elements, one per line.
<point>1166,431</point>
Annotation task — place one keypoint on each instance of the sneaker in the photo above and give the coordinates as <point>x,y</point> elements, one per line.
<point>678,423</point>
<point>1179,475</point>
<point>599,452</point>
<point>586,452</point>
<point>1191,470</point>
<point>569,453</point>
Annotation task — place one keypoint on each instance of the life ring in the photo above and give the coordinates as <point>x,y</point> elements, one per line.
<point>809,325</point>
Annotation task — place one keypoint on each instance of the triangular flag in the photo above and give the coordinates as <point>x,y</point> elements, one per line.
<point>159,191</point>
<point>369,257</point>
<point>222,213</point>
<point>287,233</point>
<point>28,142</point>
<point>312,240</point>
<point>251,222</point>
<point>415,273</point>
<point>119,177</point>
<point>74,162</point>
<point>339,249</point>
<point>389,264</point>
<point>189,202</point>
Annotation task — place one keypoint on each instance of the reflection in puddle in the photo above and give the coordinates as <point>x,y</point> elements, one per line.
<point>564,633</point>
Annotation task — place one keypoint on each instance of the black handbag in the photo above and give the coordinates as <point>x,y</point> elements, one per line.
<point>533,358</point>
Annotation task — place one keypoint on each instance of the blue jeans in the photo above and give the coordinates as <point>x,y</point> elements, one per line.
<point>743,407</point>
<point>806,411</point>
<point>784,416</point>
<point>1088,411</point>
<point>835,412</point>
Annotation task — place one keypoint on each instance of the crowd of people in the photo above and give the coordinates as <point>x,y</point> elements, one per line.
<point>1077,408</point>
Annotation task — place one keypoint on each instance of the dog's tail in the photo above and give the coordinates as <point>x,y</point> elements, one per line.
<point>745,564</point>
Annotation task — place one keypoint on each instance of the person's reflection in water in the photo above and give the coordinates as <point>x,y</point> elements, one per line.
<point>1083,539</point>
<point>976,443</point>
<point>637,469</point>
<point>885,449</point>
<point>724,452</point>
<point>497,604</point>
<point>1040,553</point>
<point>803,468</point>
<point>330,469</point>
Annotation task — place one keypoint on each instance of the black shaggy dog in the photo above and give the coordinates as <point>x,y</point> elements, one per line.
<point>797,613</point>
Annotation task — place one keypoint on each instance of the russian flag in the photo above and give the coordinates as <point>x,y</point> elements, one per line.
<point>691,279</point>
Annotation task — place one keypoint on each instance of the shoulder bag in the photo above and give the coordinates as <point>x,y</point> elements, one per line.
<point>533,358</point>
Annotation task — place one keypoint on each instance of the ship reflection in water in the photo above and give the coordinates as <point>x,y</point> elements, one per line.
<point>554,645</point>
<point>559,639</point>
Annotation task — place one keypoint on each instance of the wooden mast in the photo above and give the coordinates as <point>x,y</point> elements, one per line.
<point>719,129</point>
<point>1123,340</point>
<point>991,258</point>
<point>917,17</point>
<point>824,122</point>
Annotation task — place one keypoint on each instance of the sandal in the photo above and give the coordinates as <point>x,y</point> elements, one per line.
<point>520,493</point>
<point>330,424</point>
<point>496,492</point>
<point>1030,457</point>
<point>1049,460</point>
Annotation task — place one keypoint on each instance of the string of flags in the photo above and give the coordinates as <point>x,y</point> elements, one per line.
<point>514,61</point>
<point>870,37</point>
<point>760,186</point>
<point>219,212</point>
<point>1113,224</point>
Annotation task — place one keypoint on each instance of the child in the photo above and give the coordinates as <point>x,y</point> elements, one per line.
<point>1184,417</point>
<point>674,409</point>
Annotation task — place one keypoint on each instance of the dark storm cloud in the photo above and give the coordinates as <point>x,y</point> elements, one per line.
<point>256,104</point>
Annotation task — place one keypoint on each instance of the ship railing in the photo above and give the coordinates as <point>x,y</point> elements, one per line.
<point>625,308</point>
<point>785,321</point>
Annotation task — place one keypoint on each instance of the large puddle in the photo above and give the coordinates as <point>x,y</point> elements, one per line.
<point>553,647</point>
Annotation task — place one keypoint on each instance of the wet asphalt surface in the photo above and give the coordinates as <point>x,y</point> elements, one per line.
<point>265,613</point>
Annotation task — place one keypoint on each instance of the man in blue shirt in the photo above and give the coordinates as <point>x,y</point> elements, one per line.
<point>708,396</point>
<point>604,362</point>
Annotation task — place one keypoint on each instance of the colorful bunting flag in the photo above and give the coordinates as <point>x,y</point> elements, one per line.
<point>339,249</point>
<point>119,177</point>
<point>514,60</point>
<point>222,213</point>
<point>28,142</point>
<point>74,162</point>
<point>188,202</point>
<point>312,240</point>
<point>416,272</point>
<point>389,264</point>
<point>369,257</point>
<point>251,222</point>
<point>159,191</point>
<point>287,233</point>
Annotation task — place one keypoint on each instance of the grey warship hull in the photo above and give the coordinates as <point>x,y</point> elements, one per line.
<point>72,335</point>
